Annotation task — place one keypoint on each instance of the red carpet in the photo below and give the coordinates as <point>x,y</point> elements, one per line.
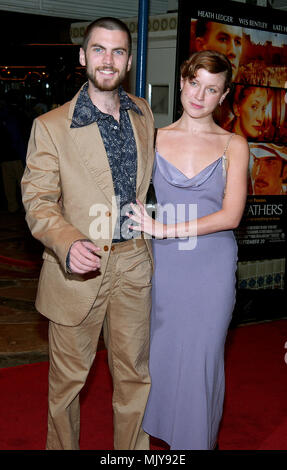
<point>255,414</point>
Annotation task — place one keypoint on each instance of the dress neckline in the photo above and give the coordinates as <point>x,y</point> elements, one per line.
<point>194,176</point>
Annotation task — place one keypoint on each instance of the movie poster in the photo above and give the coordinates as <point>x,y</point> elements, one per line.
<point>255,41</point>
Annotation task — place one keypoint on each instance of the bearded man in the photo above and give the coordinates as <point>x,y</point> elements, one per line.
<point>86,161</point>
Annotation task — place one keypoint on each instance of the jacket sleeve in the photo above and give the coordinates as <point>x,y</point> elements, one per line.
<point>41,192</point>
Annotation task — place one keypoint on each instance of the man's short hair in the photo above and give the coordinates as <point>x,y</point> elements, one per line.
<point>112,24</point>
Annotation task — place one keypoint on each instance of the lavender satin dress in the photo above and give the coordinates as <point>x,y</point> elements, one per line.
<point>193,298</point>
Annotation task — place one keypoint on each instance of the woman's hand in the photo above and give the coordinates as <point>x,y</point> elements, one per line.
<point>145,223</point>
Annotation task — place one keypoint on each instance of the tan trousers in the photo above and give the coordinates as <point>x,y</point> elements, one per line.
<point>123,308</point>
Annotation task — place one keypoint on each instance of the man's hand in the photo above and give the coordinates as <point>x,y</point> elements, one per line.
<point>83,257</point>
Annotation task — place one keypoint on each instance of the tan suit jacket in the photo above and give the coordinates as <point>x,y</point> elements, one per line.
<point>67,173</point>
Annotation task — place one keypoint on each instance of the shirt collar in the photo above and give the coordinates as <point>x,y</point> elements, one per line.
<point>86,112</point>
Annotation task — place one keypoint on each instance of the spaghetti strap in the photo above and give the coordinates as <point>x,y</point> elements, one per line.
<point>227,144</point>
<point>225,160</point>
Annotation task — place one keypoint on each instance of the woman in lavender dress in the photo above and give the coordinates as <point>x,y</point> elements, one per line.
<point>200,179</point>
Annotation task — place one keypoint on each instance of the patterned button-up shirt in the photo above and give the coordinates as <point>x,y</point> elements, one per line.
<point>120,145</point>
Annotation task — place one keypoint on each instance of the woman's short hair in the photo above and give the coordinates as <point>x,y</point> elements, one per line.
<point>212,61</point>
<point>110,23</point>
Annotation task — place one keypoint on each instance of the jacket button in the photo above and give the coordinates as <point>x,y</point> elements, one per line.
<point>108,214</point>
<point>106,248</point>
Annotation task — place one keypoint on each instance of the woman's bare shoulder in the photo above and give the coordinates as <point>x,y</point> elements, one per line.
<point>170,127</point>
<point>239,140</point>
<point>233,139</point>
<point>167,134</point>
<point>238,149</point>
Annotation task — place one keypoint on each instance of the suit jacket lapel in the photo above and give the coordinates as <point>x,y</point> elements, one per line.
<point>92,151</point>
<point>140,133</point>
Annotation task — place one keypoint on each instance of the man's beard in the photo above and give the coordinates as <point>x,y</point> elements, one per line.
<point>112,84</point>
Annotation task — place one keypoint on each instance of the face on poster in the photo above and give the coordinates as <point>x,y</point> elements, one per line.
<point>268,169</point>
<point>268,166</point>
<point>223,38</point>
<point>256,108</point>
<point>257,57</point>
<point>256,113</point>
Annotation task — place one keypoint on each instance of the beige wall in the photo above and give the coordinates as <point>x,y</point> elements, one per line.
<point>160,78</point>
<point>161,59</point>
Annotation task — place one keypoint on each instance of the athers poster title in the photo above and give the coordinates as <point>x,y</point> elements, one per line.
<point>259,209</point>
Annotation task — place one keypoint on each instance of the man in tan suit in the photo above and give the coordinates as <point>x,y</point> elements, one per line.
<point>86,161</point>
